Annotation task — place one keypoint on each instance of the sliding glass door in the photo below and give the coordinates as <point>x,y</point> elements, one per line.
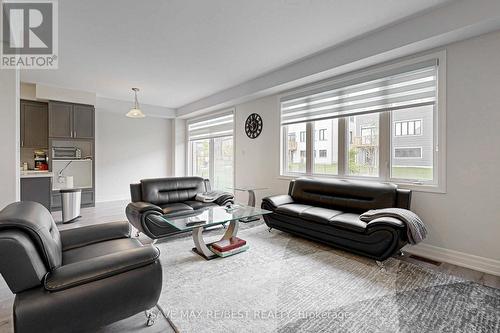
<point>223,163</point>
<point>200,158</point>
<point>211,150</point>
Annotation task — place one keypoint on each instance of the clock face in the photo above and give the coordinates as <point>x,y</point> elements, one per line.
<point>253,125</point>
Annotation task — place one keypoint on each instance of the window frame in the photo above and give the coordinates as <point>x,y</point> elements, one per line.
<point>438,184</point>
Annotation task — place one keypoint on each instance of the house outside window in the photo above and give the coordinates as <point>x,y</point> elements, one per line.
<point>407,128</point>
<point>322,134</point>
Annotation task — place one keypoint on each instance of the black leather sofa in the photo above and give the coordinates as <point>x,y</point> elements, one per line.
<point>75,280</point>
<point>167,196</point>
<point>328,211</point>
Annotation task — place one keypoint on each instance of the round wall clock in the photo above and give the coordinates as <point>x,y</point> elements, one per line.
<point>253,125</point>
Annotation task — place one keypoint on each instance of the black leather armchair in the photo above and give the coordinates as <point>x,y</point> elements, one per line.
<point>327,210</point>
<point>75,280</point>
<point>152,198</point>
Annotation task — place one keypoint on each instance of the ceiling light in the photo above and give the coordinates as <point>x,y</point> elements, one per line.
<point>135,112</point>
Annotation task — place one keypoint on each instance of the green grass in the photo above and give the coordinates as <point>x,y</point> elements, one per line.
<point>412,173</point>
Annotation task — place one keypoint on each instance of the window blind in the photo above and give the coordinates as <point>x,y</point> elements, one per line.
<point>211,126</point>
<point>406,87</point>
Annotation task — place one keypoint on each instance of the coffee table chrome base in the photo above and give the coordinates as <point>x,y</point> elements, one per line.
<point>203,249</point>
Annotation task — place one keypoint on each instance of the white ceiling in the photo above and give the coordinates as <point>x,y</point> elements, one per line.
<point>179,51</point>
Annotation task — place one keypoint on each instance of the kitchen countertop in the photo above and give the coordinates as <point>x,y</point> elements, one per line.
<point>35,174</point>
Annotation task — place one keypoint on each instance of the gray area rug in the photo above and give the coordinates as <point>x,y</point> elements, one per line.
<point>288,284</point>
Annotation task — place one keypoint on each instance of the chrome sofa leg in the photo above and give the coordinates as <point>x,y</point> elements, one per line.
<point>401,253</point>
<point>269,229</point>
<point>151,316</point>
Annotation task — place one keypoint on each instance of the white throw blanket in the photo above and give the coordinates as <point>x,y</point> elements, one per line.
<point>416,230</point>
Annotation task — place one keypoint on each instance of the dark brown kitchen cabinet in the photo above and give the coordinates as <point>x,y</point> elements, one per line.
<point>60,120</point>
<point>34,125</point>
<point>83,121</point>
<point>37,189</point>
<point>71,121</point>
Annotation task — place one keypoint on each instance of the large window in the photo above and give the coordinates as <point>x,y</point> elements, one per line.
<point>211,149</point>
<point>381,126</point>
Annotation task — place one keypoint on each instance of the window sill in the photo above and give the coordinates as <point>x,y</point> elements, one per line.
<point>414,187</point>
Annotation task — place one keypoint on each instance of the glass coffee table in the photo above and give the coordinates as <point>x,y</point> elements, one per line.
<point>212,216</point>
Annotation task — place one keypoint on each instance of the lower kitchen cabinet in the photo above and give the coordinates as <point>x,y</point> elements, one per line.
<point>37,189</point>
<point>87,199</point>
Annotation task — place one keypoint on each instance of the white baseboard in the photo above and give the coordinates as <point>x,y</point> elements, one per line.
<point>482,264</point>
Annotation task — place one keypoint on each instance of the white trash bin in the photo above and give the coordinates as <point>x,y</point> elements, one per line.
<point>71,200</point>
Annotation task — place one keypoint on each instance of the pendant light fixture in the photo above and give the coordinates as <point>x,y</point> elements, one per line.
<point>135,112</point>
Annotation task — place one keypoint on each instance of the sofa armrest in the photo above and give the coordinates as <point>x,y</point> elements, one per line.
<point>98,268</point>
<point>225,199</point>
<point>278,200</point>
<point>386,221</point>
<point>142,207</point>
<point>78,237</point>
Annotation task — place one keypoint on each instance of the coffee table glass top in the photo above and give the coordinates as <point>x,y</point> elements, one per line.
<point>211,216</point>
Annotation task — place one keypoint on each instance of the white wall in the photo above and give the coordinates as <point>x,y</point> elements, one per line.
<point>464,222</point>
<point>128,150</point>
<point>9,137</point>
<point>179,166</point>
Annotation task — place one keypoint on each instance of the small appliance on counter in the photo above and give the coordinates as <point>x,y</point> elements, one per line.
<point>66,153</point>
<point>41,160</point>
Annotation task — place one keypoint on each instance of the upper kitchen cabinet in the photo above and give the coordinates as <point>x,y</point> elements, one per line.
<point>34,125</point>
<point>71,121</point>
<point>83,121</point>
<point>60,120</point>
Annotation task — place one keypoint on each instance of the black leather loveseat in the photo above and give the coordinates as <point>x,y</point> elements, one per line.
<point>328,211</point>
<point>166,196</point>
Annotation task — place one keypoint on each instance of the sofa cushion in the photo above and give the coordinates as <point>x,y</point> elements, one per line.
<point>292,209</point>
<point>175,208</point>
<point>347,195</point>
<point>198,204</point>
<point>348,221</point>
<point>319,214</point>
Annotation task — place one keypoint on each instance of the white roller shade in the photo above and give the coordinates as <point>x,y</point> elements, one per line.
<point>402,88</point>
<point>211,126</point>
